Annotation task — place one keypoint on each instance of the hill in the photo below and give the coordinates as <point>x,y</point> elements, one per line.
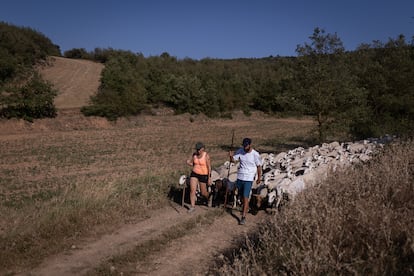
<point>75,79</point>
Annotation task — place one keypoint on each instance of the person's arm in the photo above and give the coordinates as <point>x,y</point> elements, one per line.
<point>208,168</point>
<point>190,161</point>
<point>234,156</point>
<point>259,174</point>
<point>259,168</point>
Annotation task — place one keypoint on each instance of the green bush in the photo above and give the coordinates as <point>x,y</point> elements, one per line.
<point>78,53</point>
<point>121,92</point>
<point>31,101</point>
<point>20,50</point>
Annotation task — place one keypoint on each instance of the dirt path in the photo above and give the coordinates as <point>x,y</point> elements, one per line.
<point>191,254</point>
<point>197,252</point>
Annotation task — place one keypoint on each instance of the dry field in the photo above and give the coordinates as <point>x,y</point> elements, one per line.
<point>44,162</point>
<point>81,195</point>
<point>74,149</point>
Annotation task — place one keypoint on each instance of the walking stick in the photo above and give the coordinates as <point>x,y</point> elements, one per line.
<point>183,181</point>
<point>228,172</point>
<point>186,181</point>
<point>183,196</point>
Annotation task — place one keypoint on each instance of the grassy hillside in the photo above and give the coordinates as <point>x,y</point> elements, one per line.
<point>358,222</point>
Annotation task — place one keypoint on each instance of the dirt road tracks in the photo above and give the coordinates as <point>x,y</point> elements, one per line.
<point>192,254</point>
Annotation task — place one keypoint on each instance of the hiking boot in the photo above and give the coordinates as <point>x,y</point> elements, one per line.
<point>191,210</point>
<point>242,221</point>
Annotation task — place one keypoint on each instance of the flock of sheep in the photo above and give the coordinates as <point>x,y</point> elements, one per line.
<point>288,173</point>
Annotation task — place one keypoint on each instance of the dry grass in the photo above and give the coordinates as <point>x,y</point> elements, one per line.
<point>359,222</point>
<point>70,177</point>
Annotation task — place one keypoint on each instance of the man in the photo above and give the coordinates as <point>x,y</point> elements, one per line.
<point>250,165</point>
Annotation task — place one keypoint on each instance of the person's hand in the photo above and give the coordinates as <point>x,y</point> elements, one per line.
<point>258,181</point>
<point>231,153</point>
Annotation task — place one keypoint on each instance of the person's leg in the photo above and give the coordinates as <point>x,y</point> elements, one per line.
<point>203,189</point>
<point>245,206</point>
<point>247,186</point>
<point>238,191</point>
<point>193,190</point>
<point>204,192</point>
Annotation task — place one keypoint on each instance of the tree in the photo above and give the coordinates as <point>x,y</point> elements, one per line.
<point>326,87</point>
<point>122,91</point>
<point>386,72</point>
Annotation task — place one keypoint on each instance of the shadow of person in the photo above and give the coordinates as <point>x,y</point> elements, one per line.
<point>230,212</point>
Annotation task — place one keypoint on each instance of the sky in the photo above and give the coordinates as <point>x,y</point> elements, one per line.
<point>198,29</point>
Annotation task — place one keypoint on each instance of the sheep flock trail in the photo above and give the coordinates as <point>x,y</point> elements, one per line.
<point>191,254</point>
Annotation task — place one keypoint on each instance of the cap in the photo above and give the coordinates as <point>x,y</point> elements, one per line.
<point>199,145</point>
<point>247,141</point>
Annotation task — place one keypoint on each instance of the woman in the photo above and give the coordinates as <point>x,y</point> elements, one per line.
<point>200,174</point>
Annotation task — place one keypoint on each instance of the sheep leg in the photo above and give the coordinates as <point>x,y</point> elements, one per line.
<point>225,197</point>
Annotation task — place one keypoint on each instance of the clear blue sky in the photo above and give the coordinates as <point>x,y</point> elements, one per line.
<point>209,28</point>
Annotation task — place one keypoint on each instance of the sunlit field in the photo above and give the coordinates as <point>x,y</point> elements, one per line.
<point>61,178</point>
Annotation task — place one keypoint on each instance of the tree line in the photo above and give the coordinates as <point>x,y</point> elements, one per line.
<point>354,94</point>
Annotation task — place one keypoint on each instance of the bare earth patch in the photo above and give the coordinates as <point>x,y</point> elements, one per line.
<point>76,79</point>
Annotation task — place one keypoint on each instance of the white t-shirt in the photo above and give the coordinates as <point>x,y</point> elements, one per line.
<point>248,164</point>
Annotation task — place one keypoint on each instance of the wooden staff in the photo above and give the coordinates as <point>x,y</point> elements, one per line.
<point>185,185</point>
<point>228,172</point>
<point>182,199</point>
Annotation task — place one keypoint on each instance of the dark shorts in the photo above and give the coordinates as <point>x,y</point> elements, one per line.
<point>201,177</point>
<point>244,187</point>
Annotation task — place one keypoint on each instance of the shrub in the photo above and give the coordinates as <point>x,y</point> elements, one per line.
<point>121,92</point>
<point>32,100</point>
<point>79,53</point>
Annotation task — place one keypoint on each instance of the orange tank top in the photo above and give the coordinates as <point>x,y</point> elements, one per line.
<point>200,164</point>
